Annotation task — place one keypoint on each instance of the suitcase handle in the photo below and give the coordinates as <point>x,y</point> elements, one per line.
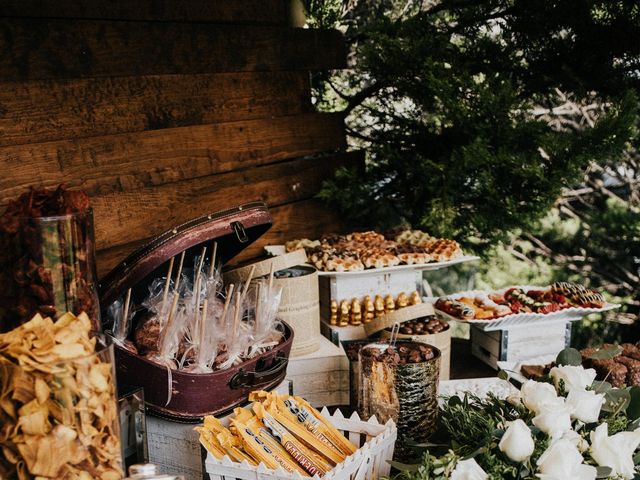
<point>244,379</point>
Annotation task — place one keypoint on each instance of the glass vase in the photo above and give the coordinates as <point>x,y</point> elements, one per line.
<point>60,420</point>
<point>49,269</point>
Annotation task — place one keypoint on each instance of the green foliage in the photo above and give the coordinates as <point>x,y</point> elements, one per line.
<point>443,103</point>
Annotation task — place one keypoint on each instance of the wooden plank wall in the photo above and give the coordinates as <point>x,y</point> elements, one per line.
<point>163,110</point>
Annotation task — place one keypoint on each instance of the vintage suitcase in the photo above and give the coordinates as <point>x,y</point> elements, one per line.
<point>194,395</point>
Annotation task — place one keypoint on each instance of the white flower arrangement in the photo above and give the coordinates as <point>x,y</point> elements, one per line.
<point>571,428</point>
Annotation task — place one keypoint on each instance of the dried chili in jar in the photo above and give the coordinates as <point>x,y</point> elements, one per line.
<point>47,257</point>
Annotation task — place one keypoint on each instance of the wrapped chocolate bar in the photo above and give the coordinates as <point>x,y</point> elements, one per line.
<point>399,381</point>
<point>280,431</point>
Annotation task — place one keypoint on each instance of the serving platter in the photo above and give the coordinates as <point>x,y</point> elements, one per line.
<point>565,315</point>
<point>280,250</point>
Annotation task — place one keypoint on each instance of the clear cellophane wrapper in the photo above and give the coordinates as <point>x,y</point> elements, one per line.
<point>179,332</point>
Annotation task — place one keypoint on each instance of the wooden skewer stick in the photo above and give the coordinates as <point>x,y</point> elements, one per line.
<point>212,267</point>
<point>258,309</point>
<point>177,284</point>
<point>227,300</point>
<point>236,316</point>
<point>203,329</point>
<point>248,281</point>
<point>170,320</point>
<point>204,252</point>
<point>270,281</point>
<point>125,313</point>
<point>168,282</point>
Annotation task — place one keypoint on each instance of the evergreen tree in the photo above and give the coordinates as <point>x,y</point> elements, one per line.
<point>443,97</point>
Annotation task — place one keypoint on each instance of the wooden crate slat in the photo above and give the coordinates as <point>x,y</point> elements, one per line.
<point>42,111</point>
<point>265,12</point>
<point>130,162</point>
<point>125,217</point>
<point>288,221</point>
<point>33,49</point>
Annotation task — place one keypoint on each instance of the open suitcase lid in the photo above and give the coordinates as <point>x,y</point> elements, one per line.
<point>233,229</point>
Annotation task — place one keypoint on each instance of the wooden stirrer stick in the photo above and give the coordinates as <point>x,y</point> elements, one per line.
<point>203,328</point>
<point>125,312</point>
<point>227,300</point>
<point>168,282</point>
<point>212,267</point>
<point>177,284</point>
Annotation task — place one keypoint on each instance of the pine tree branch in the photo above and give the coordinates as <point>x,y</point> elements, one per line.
<point>357,99</point>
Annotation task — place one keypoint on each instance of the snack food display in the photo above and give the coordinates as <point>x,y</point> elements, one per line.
<point>188,322</point>
<point>399,381</point>
<point>47,257</point>
<point>519,300</point>
<point>422,326</point>
<point>280,431</point>
<point>58,408</point>
<point>358,311</point>
<point>363,250</point>
<point>620,368</point>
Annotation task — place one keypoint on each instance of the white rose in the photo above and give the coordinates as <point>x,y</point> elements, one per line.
<point>575,438</point>
<point>536,394</point>
<point>517,442</point>
<point>615,451</point>
<point>468,470</point>
<point>562,461</point>
<point>585,404</point>
<point>554,418</point>
<point>574,377</point>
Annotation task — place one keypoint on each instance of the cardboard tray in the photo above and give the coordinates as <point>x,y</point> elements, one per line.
<point>180,395</point>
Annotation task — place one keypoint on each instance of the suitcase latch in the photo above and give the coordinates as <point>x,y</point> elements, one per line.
<point>240,232</point>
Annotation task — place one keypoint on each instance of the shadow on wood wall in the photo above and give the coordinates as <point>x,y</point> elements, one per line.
<point>164,110</point>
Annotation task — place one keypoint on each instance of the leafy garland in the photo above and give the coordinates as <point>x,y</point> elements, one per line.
<point>472,427</point>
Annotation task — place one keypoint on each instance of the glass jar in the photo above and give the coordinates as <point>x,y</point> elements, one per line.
<point>48,269</point>
<point>60,419</point>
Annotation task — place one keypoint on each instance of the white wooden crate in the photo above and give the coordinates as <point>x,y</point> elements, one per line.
<point>175,447</point>
<point>370,462</point>
<point>519,342</point>
<point>321,377</point>
<point>368,282</point>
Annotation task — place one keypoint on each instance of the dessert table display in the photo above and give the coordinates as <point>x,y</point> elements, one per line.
<point>212,346</point>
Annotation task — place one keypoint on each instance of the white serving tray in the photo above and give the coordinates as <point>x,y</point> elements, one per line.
<point>279,250</point>
<point>515,319</point>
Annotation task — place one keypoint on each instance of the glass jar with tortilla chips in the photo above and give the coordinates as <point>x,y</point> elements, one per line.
<point>58,402</point>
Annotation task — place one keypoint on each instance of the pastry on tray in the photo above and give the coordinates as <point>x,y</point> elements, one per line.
<point>359,250</point>
<point>517,300</point>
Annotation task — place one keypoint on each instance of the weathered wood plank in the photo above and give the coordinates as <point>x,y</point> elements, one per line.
<point>266,12</point>
<point>130,162</point>
<point>126,217</point>
<point>289,221</point>
<point>41,111</point>
<point>32,49</point>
